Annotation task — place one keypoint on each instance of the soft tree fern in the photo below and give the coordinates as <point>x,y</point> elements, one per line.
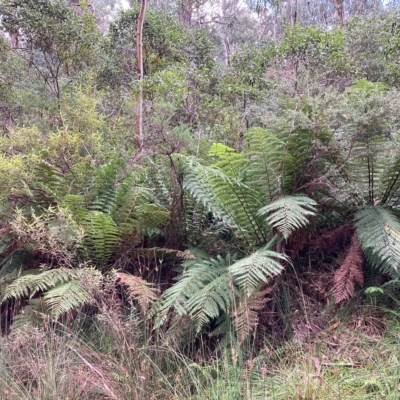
<point>209,288</point>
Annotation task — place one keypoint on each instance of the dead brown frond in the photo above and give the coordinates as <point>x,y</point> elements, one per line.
<point>246,313</point>
<point>349,273</point>
<point>140,290</point>
<point>327,240</point>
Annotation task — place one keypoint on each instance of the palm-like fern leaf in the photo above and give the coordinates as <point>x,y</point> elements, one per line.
<point>28,285</point>
<point>214,298</point>
<point>378,231</point>
<point>227,197</point>
<point>65,297</point>
<point>197,274</point>
<point>102,237</point>
<point>289,213</point>
<point>249,272</point>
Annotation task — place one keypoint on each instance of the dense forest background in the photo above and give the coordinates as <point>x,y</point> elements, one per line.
<point>199,199</point>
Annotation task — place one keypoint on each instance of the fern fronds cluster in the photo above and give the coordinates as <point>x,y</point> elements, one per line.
<point>208,288</point>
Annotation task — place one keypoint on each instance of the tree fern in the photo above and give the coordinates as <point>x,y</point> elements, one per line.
<point>289,213</point>
<point>378,231</point>
<point>228,198</point>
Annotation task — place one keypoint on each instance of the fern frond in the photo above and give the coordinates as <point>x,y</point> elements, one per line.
<point>28,285</point>
<point>378,231</point>
<point>349,273</point>
<point>228,198</point>
<point>268,163</point>
<point>102,237</point>
<point>49,182</point>
<point>249,272</point>
<point>196,275</point>
<point>213,299</point>
<point>246,313</point>
<point>139,289</point>
<point>64,297</point>
<point>76,205</point>
<point>289,213</point>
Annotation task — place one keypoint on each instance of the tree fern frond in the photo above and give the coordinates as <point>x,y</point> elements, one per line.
<point>101,238</point>
<point>378,231</point>
<point>349,273</point>
<point>49,181</point>
<point>196,275</point>
<point>269,162</point>
<point>76,205</point>
<point>249,272</point>
<point>28,285</point>
<point>64,297</point>
<point>246,312</point>
<point>289,213</point>
<point>214,298</point>
<point>227,197</point>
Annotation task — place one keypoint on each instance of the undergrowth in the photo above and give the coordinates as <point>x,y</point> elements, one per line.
<point>110,356</point>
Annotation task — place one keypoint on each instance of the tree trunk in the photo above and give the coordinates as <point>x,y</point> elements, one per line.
<point>339,11</point>
<point>139,56</point>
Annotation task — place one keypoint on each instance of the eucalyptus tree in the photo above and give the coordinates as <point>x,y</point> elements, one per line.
<point>55,42</point>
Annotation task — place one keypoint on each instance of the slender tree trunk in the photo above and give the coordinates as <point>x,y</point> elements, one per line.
<point>139,56</point>
<point>339,7</point>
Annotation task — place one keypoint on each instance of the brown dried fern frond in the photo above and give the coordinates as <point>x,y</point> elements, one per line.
<point>246,313</point>
<point>350,272</point>
<point>140,290</point>
<point>326,240</point>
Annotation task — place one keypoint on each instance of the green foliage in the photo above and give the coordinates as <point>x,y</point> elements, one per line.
<point>210,288</point>
<point>29,285</point>
<point>101,239</point>
<point>289,213</point>
<point>378,231</point>
<point>52,37</point>
<point>165,42</point>
<point>250,272</point>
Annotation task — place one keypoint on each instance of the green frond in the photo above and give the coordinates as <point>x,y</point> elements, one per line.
<point>268,155</point>
<point>64,297</point>
<point>76,205</point>
<point>227,197</point>
<point>196,275</point>
<point>378,231</point>
<point>229,161</point>
<point>29,284</point>
<point>390,181</point>
<point>289,213</point>
<point>151,217</point>
<point>213,299</point>
<point>249,272</point>
<point>49,182</point>
<point>101,237</point>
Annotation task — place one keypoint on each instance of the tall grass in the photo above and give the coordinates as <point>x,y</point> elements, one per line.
<point>105,355</point>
